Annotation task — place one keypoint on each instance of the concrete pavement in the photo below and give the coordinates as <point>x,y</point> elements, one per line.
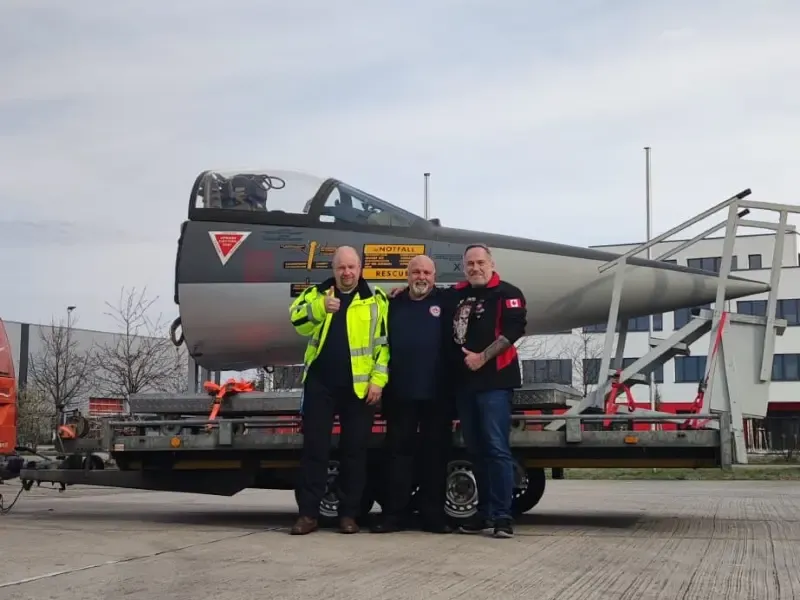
<point>587,540</point>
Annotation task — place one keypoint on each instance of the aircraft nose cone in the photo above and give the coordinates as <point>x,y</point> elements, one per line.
<point>738,287</point>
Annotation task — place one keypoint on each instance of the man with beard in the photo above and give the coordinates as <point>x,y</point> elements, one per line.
<point>346,369</point>
<point>488,317</point>
<point>416,397</point>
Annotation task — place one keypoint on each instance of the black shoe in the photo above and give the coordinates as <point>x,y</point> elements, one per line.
<point>503,528</point>
<point>476,526</point>
<point>386,525</point>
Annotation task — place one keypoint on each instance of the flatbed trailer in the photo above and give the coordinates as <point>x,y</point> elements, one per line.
<point>170,443</point>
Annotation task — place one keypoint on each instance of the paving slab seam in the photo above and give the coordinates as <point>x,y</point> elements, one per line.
<point>128,559</point>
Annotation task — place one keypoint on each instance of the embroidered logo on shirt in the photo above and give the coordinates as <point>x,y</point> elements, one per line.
<point>435,310</point>
<point>464,311</point>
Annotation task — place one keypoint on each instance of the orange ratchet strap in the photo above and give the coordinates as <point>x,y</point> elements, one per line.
<point>617,388</point>
<point>227,389</point>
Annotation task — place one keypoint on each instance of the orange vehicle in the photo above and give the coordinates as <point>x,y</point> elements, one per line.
<point>8,396</point>
<point>9,462</point>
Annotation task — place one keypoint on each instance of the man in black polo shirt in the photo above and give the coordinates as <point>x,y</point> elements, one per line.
<point>487,318</point>
<point>415,397</point>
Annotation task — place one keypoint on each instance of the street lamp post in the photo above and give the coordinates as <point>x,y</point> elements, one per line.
<point>67,353</point>
<point>649,234</point>
<point>427,205</point>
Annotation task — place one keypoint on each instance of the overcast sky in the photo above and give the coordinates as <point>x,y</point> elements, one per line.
<point>531,116</point>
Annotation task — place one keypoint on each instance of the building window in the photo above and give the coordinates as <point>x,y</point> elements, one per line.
<point>710,263</point>
<point>788,309</point>
<point>754,261</point>
<point>556,370</point>
<point>591,369</point>
<point>683,315</point>
<point>638,324</point>
<point>786,367</point>
<point>658,322</point>
<point>690,369</point>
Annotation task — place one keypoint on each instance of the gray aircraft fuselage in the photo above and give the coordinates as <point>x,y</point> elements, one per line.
<point>246,252</point>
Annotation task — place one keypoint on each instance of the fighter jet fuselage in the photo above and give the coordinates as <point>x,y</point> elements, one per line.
<point>255,240</point>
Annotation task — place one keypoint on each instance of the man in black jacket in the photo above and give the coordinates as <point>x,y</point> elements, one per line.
<point>487,316</point>
<point>415,397</point>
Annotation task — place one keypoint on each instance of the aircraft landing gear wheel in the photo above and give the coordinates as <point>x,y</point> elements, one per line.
<point>528,490</point>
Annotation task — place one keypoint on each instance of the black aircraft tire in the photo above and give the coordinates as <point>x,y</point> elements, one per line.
<point>529,496</point>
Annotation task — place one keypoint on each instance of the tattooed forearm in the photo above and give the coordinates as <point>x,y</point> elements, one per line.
<point>496,348</point>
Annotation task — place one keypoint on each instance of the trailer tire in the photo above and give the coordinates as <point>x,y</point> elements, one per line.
<point>329,505</point>
<point>461,495</point>
<point>93,463</point>
<point>461,490</point>
<point>527,496</point>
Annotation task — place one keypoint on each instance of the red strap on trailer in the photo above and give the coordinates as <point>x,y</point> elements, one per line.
<point>227,389</point>
<point>699,400</point>
<point>617,387</point>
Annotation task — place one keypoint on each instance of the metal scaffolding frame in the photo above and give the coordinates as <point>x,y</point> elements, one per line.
<point>199,375</point>
<point>705,322</point>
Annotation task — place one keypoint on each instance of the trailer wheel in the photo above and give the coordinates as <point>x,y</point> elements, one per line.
<point>529,489</point>
<point>329,505</point>
<point>93,463</point>
<point>461,491</point>
<point>461,495</point>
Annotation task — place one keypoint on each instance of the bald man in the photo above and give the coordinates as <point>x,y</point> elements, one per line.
<point>414,399</point>
<point>346,369</point>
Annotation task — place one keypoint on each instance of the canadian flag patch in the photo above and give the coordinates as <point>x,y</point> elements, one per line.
<point>513,303</point>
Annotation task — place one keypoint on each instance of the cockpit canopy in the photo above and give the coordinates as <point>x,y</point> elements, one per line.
<point>294,193</point>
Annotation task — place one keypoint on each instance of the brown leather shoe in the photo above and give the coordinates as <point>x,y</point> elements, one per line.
<point>348,525</point>
<point>304,525</point>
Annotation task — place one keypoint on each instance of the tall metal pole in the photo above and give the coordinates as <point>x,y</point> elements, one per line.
<point>67,354</point>
<point>427,199</point>
<point>649,233</point>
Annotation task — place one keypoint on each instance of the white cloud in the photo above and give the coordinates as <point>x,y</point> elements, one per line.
<point>110,110</point>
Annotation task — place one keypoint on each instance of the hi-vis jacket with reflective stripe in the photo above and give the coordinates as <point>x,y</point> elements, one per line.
<point>367,329</point>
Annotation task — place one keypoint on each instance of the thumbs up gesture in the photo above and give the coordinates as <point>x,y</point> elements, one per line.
<point>331,301</point>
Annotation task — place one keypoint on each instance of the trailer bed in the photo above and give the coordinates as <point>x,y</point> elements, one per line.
<point>170,443</point>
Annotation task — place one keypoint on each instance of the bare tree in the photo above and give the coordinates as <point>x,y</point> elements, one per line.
<point>540,348</point>
<point>584,350</point>
<point>533,346</point>
<point>287,377</point>
<point>141,356</point>
<point>35,417</point>
<point>60,371</point>
<point>259,381</point>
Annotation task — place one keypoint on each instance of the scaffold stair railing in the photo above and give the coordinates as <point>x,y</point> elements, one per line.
<point>704,322</point>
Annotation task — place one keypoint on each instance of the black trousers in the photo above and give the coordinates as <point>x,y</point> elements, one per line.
<point>418,434</point>
<point>320,405</point>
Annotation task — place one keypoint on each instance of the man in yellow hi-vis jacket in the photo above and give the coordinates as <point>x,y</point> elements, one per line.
<point>346,369</point>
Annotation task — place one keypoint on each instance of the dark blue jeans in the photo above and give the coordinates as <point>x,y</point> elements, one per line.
<point>486,427</point>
